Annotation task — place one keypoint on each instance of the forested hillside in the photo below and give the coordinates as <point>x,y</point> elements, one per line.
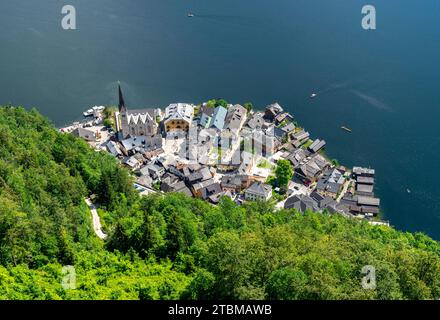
<point>175,247</point>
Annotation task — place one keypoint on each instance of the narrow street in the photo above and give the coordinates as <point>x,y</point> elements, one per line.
<point>97,227</point>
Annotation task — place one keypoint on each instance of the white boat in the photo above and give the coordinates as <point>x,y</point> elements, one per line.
<point>98,108</point>
<point>190,15</point>
<point>313,95</point>
<point>88,113</point>
<point>93,111</point>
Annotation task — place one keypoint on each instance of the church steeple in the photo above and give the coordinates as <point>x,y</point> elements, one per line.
<point>122,107</point>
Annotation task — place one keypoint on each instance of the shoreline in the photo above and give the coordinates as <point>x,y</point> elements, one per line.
<point>353,199</point>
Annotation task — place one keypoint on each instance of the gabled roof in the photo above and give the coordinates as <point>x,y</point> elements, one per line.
<point>256,122</point>
<point>261,189</point>
<point>113,148</point>
<point>289,128</point>
<point>274,109</point>
<point>141,116</point>
<point>368,188</point>
<point>301,135</point>
<point>282,116</point>
<point>179,111</point>
<point>301,203</point>
<point>146,143</point>
<point>211,190</point>
<point>84,133</point>
<point>297,156</point>
<point>207,110</point>
<point>365,180</point>
<point>236,117</point>
<point>232,181</point>
<point>363,171</point>
<point>317,145</point>
<point>331,181</point>
<point>131,162</point>
<point>151,167</point>
<point>368,201</point>
<point>218,118</point>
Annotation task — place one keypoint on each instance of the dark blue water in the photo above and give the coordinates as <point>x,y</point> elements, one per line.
<point>384,84</point>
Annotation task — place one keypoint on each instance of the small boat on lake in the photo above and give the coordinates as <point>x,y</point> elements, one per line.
<point>346,129</point>
<point>190,15</point>
<point>313,95</point>
<point>88,113</point>
<point>93,111</point>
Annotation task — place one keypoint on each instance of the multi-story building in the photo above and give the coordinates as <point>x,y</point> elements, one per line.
<point>178,117</point>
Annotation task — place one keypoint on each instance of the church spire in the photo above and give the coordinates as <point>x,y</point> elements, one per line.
<point>122,107</point>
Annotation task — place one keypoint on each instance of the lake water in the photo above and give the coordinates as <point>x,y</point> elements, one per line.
<point>384,84</point>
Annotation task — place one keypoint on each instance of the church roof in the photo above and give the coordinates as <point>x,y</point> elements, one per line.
<point>140,116</point>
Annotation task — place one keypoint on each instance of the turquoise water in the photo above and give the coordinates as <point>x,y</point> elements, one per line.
<point>384,84</point>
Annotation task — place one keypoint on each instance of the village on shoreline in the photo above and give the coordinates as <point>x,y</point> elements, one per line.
<point>217,150</point>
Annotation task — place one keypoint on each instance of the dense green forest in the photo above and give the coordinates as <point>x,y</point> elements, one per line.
<point>175,247</point>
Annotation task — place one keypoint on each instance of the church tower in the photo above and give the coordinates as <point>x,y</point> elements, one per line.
<point>123,112</point>
<point>122,108</point>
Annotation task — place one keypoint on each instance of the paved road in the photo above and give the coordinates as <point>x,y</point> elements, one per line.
<point>97,227</point>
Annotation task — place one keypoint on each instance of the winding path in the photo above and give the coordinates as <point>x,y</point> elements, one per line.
<point>97,227</point>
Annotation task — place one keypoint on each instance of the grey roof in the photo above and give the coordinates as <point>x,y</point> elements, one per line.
<point>301,135</point>
<point>195,177</point>
<point>370,209</point>
<point>86,134</point>
<point>211,190</point>
<point>365,180</point>
<point>364,188</point>
<point>289,128</point>
<point>206,173</point>
<point>233,181</point>
<point>363,171</point>
<point>170,185</point>
<point>235,117</point>
<point>312,166</point>
<point>142,143</point>
<point>169,178</point>
<point>297,156</point>
<point>282,116</point>
<point>256,122</point>
<point>316,196</point>
<point>260,189</point>
<point>275,132</point>
<point>203,184</point>
<point>113,148</point>
<point>152,169</point>
<point>131,162</point>
<point>349,200</point>
<point>317,145</point>
<point>145,181</point>
<point>207,110</point>
<point>320,161</point>
<point>301,203</point>
<point>274,109</point>
<point>331,181</point>
<point>368,201</point>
